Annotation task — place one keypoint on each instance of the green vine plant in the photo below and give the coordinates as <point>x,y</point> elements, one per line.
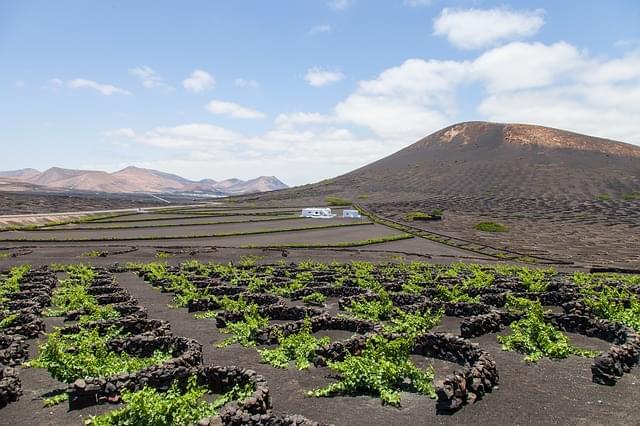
<point>298,282</point>
<point>609,303</point>
<point>455,294</point>
<point>412,288</point>
<point>382,369</point>
<point>226,304</point>
<point>71,295</point>
<point>363,274</point>
<point>244,331</point>
<point>8,320</point>
<point>413,324</point>
<point>68,357</point>
<point>534,337</point>
<point>56,399</point>
<point>150,407</point>
<point>299,347</point>
<point>534,280</point>
<point>315,299</point>
<point>11,284</point>
<point>479,278</point>
<point>375,310</point>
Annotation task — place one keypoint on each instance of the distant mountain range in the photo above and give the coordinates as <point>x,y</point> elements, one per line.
<point>132,180</point>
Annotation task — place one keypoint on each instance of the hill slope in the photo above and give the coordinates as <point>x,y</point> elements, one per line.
<point>561,194</point>
<point>506,160</point>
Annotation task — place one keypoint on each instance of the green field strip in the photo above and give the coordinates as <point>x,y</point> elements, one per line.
<point>214,212</point>
<point>340,244</point>
<point>83,219</point>
<point>165,225</point>
<point>187,237</point>
<point>222,214</point>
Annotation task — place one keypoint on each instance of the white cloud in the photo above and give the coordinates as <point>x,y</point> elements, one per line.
<point>295,156</point>
<point>407,101</point>
<point>195,135</point>
<point>340,4</point>
<point>476,28</point>
<point>199,81</point>
<point>124,132</point>
<point>323,28</point>
<point>525,65</point>
<point>105,89</point>
<point>147,76</point>
<point>233,110</point>
<point>615,70</point>
<point>417,3</point>
<point>241,82</point>
<point>557,85</point>
<point>303,118</point>
<point>318,77</point>
<point>607,111</point>
<point>598,97</point>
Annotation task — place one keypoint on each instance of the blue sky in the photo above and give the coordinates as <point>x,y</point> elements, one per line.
<point>305,89</point>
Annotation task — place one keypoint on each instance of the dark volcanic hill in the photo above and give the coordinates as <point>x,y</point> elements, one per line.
<point>562,194</point>
<point>505,160</point>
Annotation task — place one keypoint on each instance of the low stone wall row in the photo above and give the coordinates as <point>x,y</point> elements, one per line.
<point>478,376</point>
<point>269,335</point>
<point>619,359</point>
<point>204,304</point>
<point>25,324</point>
<point>121,296</point>
<point>328,291</point>
<point>452,309</point>
<point>10,385</point>
<point>125,309</point>
<point>606,368</point>
<point>13,350</point>
<point>491,322</point>
<point>273,312</point>
<point>104,289</point>
<point>187,353</point>
<point>133,325</point>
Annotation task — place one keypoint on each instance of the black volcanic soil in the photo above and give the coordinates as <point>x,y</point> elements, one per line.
<point>32,203</point>
<point>548,392</point>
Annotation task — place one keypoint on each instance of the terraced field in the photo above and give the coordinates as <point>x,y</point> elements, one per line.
<point>238,229</point>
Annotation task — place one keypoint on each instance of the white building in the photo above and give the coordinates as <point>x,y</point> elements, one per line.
<point>351,214</point>
<point>317,213</point>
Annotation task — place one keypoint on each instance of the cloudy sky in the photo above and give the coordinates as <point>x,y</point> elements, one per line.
<point>300,89</point>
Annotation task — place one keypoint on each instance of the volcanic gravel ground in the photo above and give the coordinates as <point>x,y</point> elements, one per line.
<point>548,392</point>
<point>31,203</point>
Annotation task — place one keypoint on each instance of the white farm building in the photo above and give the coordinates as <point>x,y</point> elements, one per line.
<point>351,214</point>
<point>317,213</point>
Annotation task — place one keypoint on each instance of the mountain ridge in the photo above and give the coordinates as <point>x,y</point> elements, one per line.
<point>134,179</point>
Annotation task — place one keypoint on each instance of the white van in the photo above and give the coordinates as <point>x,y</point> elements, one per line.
<point>351,214</point>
